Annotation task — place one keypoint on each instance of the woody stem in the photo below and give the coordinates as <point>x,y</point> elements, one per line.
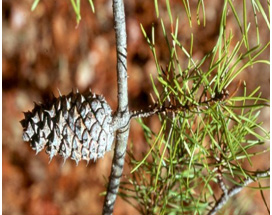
<point>122,112</point>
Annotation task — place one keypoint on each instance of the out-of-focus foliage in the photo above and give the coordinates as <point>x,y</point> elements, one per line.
<point>75,4</point>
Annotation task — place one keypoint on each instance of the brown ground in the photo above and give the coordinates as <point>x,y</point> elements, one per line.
<point>44,51</point>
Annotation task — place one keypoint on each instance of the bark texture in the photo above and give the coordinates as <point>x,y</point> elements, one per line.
<point>122,115</point>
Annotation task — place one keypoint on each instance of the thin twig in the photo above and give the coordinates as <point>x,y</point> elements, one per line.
<point>122,112</point>
<point>155,110</point>
<point>163,109</point>
<point>235,190</point>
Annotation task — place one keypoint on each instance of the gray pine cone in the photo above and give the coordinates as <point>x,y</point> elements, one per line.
<point>75,126</point>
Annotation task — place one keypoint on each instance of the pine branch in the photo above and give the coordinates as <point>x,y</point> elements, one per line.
<point>163,109</point>
<point>235,190</point>
<point>122,115</point>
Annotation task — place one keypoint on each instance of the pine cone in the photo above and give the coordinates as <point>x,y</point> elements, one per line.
<point>75,126</point>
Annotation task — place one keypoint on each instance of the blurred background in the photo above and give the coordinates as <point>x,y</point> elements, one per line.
<point>46,50</point>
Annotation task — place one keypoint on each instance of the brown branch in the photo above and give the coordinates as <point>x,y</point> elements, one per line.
<point>235,190</point>
<point>163,109</point>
